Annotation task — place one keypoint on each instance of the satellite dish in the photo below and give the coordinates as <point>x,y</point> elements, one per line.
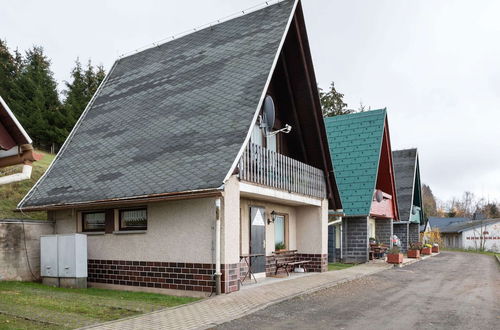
<point>269,114</point>
<point>379,195</point>
<point>413,211</point>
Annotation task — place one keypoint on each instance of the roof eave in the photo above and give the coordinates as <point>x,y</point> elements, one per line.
<point>201,193</point>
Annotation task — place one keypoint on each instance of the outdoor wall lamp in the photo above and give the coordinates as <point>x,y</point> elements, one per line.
<point>273,215</point>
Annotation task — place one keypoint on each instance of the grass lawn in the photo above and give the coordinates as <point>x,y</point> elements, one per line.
<point>472,251</point>
<point>27,305</point>
<point>338,266</point>
<point>11,194</point>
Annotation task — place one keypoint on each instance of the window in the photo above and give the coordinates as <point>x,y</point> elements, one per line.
<point>136,219</point>
<point>279,232</point>
<point>93,221</point>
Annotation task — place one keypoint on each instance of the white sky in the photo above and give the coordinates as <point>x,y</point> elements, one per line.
<point>435,64</point>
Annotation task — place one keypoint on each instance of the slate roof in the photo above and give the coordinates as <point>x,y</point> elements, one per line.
<point>171,118</point>
<point>460,226</point>
<point>437,222</point>
<point>405,166</point>
<point>355,142</point>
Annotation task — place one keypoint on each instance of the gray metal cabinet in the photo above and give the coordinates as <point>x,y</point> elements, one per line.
<point>64,256</point>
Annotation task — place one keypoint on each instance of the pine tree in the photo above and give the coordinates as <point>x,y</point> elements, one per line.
<point>79,91</point>
<point>35,101</point>
<point>8,71</point>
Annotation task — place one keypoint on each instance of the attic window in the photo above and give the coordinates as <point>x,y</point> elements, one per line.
<point>93,221</point>
<point>134,219</point>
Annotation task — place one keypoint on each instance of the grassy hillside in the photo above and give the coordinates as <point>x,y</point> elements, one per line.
<point>11,194</point>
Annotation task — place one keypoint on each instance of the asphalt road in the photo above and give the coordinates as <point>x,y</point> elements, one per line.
<point>453,290</point>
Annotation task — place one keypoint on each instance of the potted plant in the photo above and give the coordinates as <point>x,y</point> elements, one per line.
<point>279,247</point>
<point>394,255</point>
<point>435,248</point>
<point>426,249</point>
<point>414,250</point>
<point>372,240</point>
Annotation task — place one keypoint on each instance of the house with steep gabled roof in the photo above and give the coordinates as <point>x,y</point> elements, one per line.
<point>360,149</point>
<point>199,158</point>
<point>409,190</point>
<point>15,147</point>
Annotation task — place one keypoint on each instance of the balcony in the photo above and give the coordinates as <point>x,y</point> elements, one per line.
<point>268,168</point>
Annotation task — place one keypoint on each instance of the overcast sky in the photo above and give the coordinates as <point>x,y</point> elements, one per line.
<point>434,64</point>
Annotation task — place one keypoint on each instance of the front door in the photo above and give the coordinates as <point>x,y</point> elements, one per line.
<point>258,239</point>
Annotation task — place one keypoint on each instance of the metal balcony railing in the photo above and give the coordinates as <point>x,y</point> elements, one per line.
<point>262,166</point>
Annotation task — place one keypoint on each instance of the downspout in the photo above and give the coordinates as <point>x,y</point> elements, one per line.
<point>24,175</point>
<point>217,275</point>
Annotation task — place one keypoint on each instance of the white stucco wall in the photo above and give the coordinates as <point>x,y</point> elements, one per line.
<point>178,231</point>
<point>491,239</point>
<point>290,211</point>
<point>312,229</point>
<point>230,227</point>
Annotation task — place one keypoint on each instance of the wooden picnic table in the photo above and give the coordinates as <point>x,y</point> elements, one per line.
<point>287,263</point>
<point>247,258</point>
<point>377,251</point>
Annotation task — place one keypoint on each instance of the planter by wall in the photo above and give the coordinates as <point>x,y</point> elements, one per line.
<point>435,249</point>
<point>414,254</point>
<point>395,258</point>
<point>426,250</point>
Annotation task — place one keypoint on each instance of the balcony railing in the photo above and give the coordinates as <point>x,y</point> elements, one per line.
<point>262,166</point>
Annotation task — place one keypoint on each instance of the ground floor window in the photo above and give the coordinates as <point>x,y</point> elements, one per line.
<point>280,232</point>
<point>93,221</point>
<point>134,219</point>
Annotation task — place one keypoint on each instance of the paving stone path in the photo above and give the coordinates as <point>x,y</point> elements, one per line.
<point>213,311</point>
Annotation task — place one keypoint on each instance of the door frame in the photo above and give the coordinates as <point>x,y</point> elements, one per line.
<point>261,274</point>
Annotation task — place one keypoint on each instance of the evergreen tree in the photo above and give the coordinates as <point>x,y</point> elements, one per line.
<point>35,101</point>
<point>332,102</point>
<point>8,71</point>
<point>79,91</point>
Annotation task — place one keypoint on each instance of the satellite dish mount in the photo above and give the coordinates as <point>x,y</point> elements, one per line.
<point>268,118</point>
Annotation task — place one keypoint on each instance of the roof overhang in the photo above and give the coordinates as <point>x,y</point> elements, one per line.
<point>135,200</point>
<point>11,132</point>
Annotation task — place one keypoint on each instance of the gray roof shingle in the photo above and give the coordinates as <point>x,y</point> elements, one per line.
<point>404,163</point>
<point>171,118</point>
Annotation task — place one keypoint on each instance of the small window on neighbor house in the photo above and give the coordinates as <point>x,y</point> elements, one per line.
<point>93,221</point>
<point>136,219</point>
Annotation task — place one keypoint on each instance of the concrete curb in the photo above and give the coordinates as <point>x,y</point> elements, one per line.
<point>414,260</point>
<point>497,256</point>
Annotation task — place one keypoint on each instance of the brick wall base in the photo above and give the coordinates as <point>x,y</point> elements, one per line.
<point>318,262</point>
<point>163,275</point>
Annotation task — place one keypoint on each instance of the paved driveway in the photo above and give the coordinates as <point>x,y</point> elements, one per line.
<point>453,290</point>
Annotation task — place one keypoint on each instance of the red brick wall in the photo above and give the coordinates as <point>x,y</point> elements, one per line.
<point>163,275</point>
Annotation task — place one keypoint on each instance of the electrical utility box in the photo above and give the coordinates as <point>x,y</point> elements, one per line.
<point>63,260</point>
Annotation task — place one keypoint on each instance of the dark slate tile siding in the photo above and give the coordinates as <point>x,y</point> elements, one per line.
<point>383,230</point>
<point>401,231</point>
<point>171,118</point>
<point>355,239</point>
<point>413,233</point>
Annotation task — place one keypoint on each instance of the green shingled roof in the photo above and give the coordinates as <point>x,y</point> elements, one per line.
<point>355,142</point>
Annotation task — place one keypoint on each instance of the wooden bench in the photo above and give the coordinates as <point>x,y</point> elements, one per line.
<point>288,260</point>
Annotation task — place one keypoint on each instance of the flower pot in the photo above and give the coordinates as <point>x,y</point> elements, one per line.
<point>395,258</point>
<point>426,250</point>
<point>414,254</point>
<point>435,249</point>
